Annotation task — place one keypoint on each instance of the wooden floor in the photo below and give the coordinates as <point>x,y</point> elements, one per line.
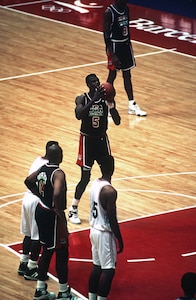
<point>43,66</point>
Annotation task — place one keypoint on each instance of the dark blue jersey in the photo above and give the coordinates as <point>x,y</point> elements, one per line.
<point>45,185</point>
<point>119,30</point>
<point>96,122</point>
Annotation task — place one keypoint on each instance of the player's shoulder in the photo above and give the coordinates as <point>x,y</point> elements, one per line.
<point>109,189</point>
<point>37,163</point>
<point>108,10</point>
<point>80,98</point>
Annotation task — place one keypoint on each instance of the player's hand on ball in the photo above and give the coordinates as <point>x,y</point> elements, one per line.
<point>99,93</point>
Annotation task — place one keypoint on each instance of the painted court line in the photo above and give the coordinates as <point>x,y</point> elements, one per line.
<point>80,259</point>
<point>78,66</point>
<point>189,254</point>
<point>140,260</point>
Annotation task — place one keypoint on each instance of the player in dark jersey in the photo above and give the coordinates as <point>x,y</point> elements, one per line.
<point>49,184</point>
<point>119,49</point>
<point>92,110</point>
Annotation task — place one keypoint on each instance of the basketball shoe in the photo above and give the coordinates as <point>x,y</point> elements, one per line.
<point>22,268</point>
<point>73,215</point>
<point>31,274</point>
<point>66,295</point>
<point>134,109</point>
<point>43,294</point>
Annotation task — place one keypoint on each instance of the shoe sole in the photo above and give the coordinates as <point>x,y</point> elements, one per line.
<point>30,278</point>
<point>26,277</point>
<point>138,115</point>
<point>79,222</point>
<point>21,273</point>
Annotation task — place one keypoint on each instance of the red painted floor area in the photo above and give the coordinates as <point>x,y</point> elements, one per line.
<point>147,25</point>
<point>162,238</point>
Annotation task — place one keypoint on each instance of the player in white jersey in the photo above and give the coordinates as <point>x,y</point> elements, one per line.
<point>105,233</point>
<point>31,245</point>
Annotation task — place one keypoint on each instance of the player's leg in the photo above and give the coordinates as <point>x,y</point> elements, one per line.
<point>32,272</point>
<point>26,246</point>
<point>62,273</point>
<point>112,71</point>
<point>111,76</point>
<point>26,231</point>
<point>80,188</point>
<point>43,266</point>
<point>134,108</point>
<point>85,161</point>
<point>108,258</point>
<point>105,283</point>
<point>46,220</point>
<point>94,282</point>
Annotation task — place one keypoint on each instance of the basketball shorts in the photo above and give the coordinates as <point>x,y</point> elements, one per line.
<point>28,226</point>
<point>91,149</point>
<point>51,232</point>
<point>104,251</point>
<point>124,53</point>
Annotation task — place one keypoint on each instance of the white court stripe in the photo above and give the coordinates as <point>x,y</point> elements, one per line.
<point>189,254</point>
<point>81,259</point>
<point>78,66</point>
<point>140,260</point>
<point>10,202</point>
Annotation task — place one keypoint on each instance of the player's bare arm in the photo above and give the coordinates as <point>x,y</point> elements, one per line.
<point>108,198</point>
<point>114,113</point>
<point>30,183</point>
<point>106,32</point>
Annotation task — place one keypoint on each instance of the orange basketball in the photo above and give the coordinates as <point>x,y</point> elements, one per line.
<point>109,92</point>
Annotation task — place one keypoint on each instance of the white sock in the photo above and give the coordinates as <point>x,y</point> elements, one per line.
<point>75,202</point>
<point>101,298</point>
<point>32,264</point>
<point>40,285</point>
<point>24,258</point>
<point>92,296</point>
<point>63,287</point>
<point>131,102</point>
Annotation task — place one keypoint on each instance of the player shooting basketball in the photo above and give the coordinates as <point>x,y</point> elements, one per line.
<point>92,110</point>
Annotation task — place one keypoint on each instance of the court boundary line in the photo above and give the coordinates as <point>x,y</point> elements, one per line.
<point>140,260</point>
<point>119,189</point>
<point>8,248</point>
<point>79,66</point>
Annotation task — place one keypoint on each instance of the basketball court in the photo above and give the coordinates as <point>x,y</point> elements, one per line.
<point>48,47</point>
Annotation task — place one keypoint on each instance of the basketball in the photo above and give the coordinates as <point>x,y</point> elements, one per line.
<point>109,92</point>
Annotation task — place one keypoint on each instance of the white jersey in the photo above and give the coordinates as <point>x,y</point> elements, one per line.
<point>98,217</point>
<point>102,238</point>
<point>28,225</point>
<point>38,163</point>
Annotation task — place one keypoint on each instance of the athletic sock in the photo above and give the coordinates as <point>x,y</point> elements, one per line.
<point>24,258</point>
<point>32,264</point>
<point>41,285</point>
<point>92,296</point>
<point>63,287</point>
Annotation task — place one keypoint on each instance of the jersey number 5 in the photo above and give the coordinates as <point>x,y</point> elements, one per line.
<point>95,212</point>
<point>95,122</point>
